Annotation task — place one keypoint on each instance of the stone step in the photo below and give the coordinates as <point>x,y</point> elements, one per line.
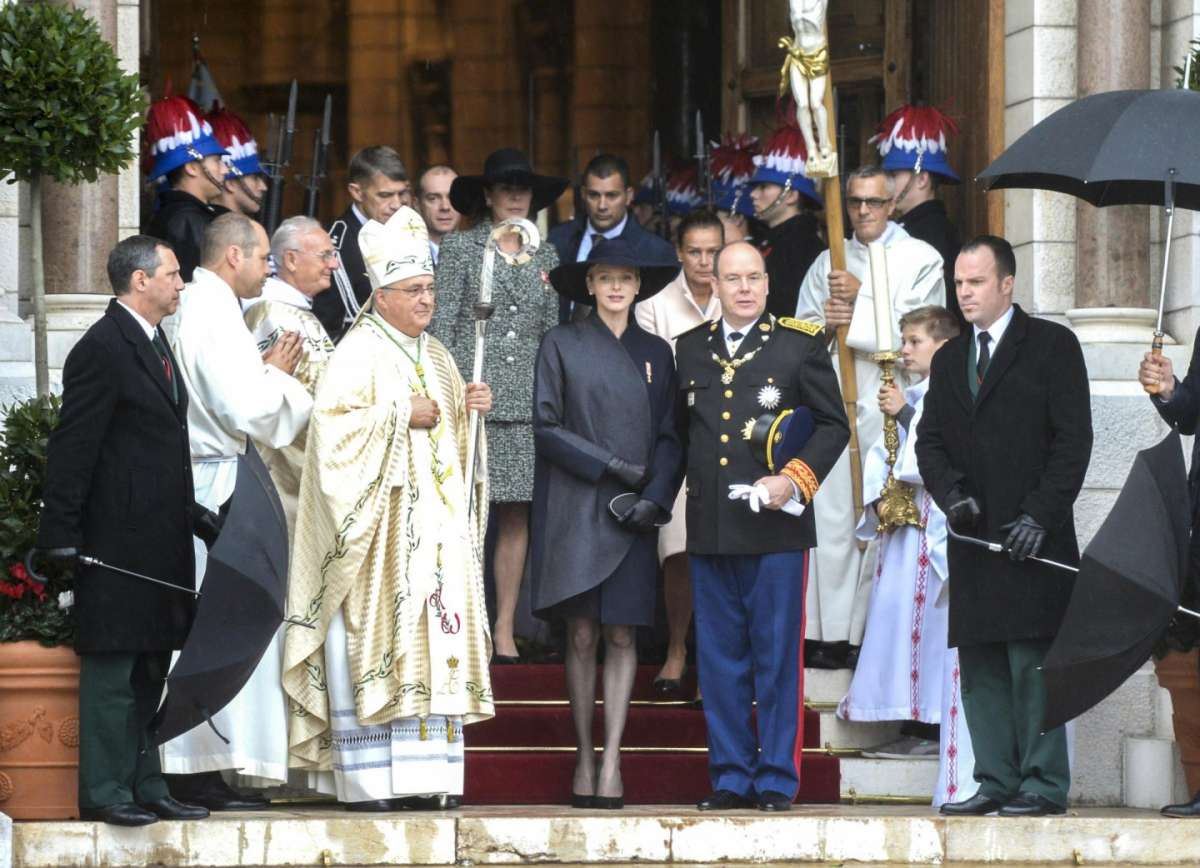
<point>826,685</point>
<point>851,734</point>
<point>908,835</point>
<point>888,777</point>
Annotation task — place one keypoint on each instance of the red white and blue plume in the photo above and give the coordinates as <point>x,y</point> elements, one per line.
<point>235,137</point>
<point>782,161</point>
<point>732,166</point>
<point>176,133</point>
<point>914,138</point>
<point>683,190</point>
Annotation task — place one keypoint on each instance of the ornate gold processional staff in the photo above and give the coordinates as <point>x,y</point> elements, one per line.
<point>806,70</point>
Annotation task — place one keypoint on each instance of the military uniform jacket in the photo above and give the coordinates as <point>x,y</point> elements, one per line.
<point>180,221</point>
<point>784,367</point>
<point>119,488</point>
<point>328,306</point>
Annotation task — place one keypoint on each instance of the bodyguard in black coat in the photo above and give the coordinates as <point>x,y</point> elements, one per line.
<point>180,221</point>
<point>749,563</point>
<point>930,223</point>
<point>119,488</point>
<point>1003,446</point>
<point>349,280</point>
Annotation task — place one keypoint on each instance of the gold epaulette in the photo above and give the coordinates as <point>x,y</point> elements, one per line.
<point>811,329</point>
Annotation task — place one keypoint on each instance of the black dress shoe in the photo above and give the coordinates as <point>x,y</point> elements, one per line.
<point>1185,811</point>
<point>723,800</point>
<point>376,806</point>
<point>171,809</point>
<point>976,806</point>
<point>420,803</point>
<point>506,659</point>
<point>234,802</point>
<point>822,657</point>
<point>770,800</point>
<point>581,801</point>
<point>1031,805</point>
<point>451,803</point>
<point>124,814</point>
<point>608,803</point>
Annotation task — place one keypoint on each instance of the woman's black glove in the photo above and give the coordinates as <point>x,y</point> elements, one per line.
<point>632,476</point>
<point>642,517</point>
<point>1025,537</point>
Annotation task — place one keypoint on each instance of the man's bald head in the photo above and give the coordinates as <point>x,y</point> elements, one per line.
<point>745,247</point>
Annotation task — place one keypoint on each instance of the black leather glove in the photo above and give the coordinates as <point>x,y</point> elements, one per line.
<point>206,524</point>
<point>1025,537</point>
<point>632,476</point>
<point>962,511</point>
<point>642,517</point>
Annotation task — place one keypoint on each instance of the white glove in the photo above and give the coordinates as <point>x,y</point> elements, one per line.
<point>757,495</point>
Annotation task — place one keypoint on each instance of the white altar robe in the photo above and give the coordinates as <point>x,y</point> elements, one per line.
<point>232,395</point>
<point>836,601</point>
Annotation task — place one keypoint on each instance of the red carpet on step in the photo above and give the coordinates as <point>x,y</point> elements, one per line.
<point>525,755</point>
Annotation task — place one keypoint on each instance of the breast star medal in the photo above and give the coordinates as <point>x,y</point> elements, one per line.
<point>768,397</point>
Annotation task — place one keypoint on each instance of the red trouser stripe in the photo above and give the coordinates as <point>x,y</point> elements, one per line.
<point>798,745</point>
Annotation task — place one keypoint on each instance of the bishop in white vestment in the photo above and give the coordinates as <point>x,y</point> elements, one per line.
<point>235,396</point>
<point>837,594</point>
<point>387,560</point>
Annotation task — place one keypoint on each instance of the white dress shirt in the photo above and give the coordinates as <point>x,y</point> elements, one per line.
<point>995,331</point>
<point>141,320</point>
<point>589,234</point>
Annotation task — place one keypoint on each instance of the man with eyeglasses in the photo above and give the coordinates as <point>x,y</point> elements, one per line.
<point>237,393</point>
<point>841,579</point>
<point>304,260</point>
<point>750,525</point>
<point>387,563</point>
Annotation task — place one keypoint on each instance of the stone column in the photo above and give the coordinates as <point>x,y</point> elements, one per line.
<point>80,226</point>
<point>1112,244</point>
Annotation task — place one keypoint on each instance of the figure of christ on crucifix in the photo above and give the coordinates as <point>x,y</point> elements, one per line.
<point>806,69</point>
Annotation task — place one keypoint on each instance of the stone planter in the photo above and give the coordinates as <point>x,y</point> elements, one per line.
<point>39,731</point>
<point>1179,674</point>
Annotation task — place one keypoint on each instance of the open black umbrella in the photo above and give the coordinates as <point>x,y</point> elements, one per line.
<point>241,605</point>
<point>1131,578</point>
<point>1126,147</point>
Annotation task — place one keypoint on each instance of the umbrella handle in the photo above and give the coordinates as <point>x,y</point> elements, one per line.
<point>33,574</point>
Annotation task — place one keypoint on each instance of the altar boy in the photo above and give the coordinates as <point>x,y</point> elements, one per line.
<point>905,671</point>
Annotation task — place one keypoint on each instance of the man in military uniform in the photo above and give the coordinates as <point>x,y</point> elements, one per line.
<point>378,186</point>
<point>749,529</point>
<point>186,157</point>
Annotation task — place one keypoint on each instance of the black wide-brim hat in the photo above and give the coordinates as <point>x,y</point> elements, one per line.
<point>570,280</point>
<point>505,166</point>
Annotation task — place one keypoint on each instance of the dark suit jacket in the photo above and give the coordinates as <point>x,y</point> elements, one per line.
<point>328,306</point>
<point>119,488</point>
<point>180,220</point>
<point>930,223</point>
<point>1022,446</point>
<point>648,247</point>
<point>789,369</point>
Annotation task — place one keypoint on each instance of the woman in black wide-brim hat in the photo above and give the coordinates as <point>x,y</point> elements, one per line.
<point>609,464</point>
<point>526,307</point>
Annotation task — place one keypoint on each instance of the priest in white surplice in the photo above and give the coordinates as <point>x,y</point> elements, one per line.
<point>305,260</point>
<point>236,393</point>
<point>836,603</point>
<point>387,563</point>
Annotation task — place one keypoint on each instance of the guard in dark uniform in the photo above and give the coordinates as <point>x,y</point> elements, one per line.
<point>912,146</point>
<point>749,527</point>
<point>186,158</point>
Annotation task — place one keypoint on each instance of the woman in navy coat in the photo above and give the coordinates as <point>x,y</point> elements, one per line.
<point>608,468</point>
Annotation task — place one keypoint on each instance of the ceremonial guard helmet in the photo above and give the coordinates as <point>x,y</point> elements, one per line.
<point>176,134</point>
<point>683,190</point>
<point>913,139</point>
<point>241,149</point>
<point>782,162</point>
<point>732,164</point>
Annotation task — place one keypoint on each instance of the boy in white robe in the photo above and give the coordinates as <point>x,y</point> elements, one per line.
<point>905,671</point>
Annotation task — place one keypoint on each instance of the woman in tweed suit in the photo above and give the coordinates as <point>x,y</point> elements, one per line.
<point>526,307</point>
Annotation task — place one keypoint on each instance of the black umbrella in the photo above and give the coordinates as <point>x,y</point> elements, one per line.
<point>1131,578</point>
<point>241,605</point>
<point>1126,147</point>
<point>1130,581</point>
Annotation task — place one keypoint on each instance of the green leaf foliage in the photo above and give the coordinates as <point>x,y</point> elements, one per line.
<point>26,613</point>
<point>67,110</point>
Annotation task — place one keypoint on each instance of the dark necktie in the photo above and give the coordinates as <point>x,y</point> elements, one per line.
<point>735,336</point>
<point>161,347</point>
<point>985,356</point>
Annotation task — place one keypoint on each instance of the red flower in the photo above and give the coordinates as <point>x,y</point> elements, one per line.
<point>24,581</point>
<point>18,572</point>
<point>9,589</point>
